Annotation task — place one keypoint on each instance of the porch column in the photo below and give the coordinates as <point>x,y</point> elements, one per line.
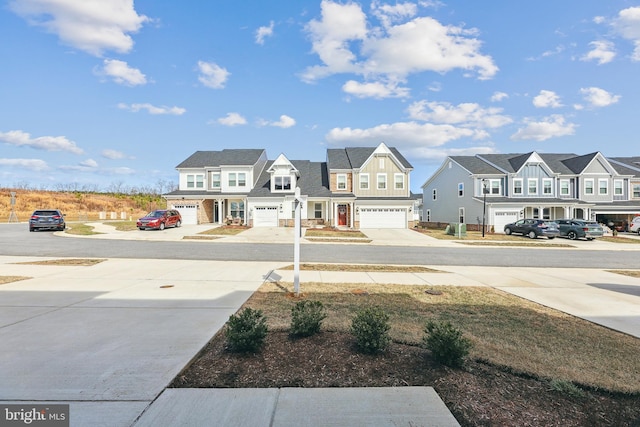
<point>220,211</point>
<point>352,214</point>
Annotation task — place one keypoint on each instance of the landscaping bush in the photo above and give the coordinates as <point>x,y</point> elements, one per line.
<point>307,317</point>
<point>370,326</point>
<point>446,343</point>
<point>246,331</point>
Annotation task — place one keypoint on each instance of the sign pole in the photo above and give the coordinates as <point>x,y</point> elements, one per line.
<point>296,245</point>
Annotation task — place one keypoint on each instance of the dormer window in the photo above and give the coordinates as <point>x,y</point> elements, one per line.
<point>282,183</point>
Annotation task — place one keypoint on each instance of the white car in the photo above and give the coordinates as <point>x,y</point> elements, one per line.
<point>634,225</point>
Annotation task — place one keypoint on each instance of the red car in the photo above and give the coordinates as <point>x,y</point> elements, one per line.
<point>160,219</point>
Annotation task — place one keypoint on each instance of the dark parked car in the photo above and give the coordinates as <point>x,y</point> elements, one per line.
<point>160,219</point>
<point>533,228</point>
<point>47,219</point>
<point>579,228</point>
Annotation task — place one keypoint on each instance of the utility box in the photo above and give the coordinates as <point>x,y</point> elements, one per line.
<point>457,229</point>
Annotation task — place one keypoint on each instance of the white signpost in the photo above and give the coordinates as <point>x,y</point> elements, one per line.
<point>296,244</point>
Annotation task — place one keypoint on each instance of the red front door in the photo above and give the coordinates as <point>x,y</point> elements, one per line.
<point>342,215</point>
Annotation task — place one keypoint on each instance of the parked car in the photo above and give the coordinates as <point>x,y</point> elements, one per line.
<point>533,228</point>
<point>160,219</point>
<point>579,228</point>
<point>47,219</point>
<point>634,225</point>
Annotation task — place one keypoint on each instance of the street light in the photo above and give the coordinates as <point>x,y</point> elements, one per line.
<point>485,190</point>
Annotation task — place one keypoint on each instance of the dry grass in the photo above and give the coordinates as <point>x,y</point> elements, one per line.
<point>619,239</point>
<point>365,267</point>
<point>81,262</point>
<point>505,330</point>
<point>337,240</point>
<point>630,273</point>
<point>9,279</point>
<point>80,229</point>
<point>534,244</point>
<point>123,225</point>
<point>225,230</point>
<point>332,232</point>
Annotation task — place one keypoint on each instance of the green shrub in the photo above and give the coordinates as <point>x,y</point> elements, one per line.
<point>446,343</point>
<point>370,326</point>
<point>566,387</point>
<point>246,331</point>
<point>307,317</point>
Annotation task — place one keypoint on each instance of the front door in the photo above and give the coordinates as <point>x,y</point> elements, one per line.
<point>342,215</point>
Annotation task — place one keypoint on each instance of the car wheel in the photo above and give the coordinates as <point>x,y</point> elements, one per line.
<point>161,226</point>
<point>551,237</point>
<point>589,238</point>
<point>507,231</point>
<point>31,229</point>
<point>572,235</point>
<point>141,228</point>
<point>178,224</point>
<point>532,234</point>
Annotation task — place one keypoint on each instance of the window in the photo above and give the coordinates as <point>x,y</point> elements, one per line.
<point>461,189</point>
<point>282,183</point>
<point>364,181</point>
<point>232,179</point>
<point>398,181</point>
<point>532,185</point>
<point>636,191</point>
<point>517,186</point>
<point>603,187</point>
<point>618,187</point>
<point>434,194</point>
<point>428,218</point>
<point>317,210</point>
<point>195,181</point>
<point>546,213</point>
<point>495,186</point>
<point>237,209</point>
<point>342,182</point>
<point>381,162</point>
<point>588,186</point>
<point>547,188</point>
<point>382,181</point>
<point>461,215</point>
<point>564,187</point>
<point>242,179</point>
<point>215,180</point>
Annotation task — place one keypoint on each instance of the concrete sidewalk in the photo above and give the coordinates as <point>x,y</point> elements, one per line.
<point>108,339</point>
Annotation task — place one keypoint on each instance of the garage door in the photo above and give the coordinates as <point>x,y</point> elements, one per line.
<point>502,218</point>
<point>383,218</point>
<point>265,216</point>
<point>189,213</point>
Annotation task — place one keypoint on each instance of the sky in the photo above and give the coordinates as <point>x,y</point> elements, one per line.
<point>104,94</point>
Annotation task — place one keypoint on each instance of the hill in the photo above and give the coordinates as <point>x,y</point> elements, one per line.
<point>78,206</point>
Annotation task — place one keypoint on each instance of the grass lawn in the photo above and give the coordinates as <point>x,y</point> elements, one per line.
<point>9,279</point>
<point>225,230</point>
<point>505,330</point>
<point>332,232</point>
<point>80,229</point>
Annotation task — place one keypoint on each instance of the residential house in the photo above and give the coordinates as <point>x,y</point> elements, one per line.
<point>357,187</point>
<point>496,189</point>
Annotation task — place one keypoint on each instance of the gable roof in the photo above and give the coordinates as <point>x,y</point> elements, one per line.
<point>313,180</point>
<point>355,157</point>
<point>626,165</point>
<point>226,157</point>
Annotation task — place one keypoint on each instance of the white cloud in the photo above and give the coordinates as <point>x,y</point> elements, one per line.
<point>602,51</point>
<point>599,97</point>
<point>232,119</point>
<point>548,127</point>
<point>212,75</point>
<point>151,109</point>
<point>499,96</point>
<point>393,51</point>
<point>377,90</point>
<point>36,165</point>
<point>284,122</point>
<point>89,163</point>
<point>47,143</point>
<point>263,32</point>
<point>112,154</point>
<point>93,26</point>
<point>400,134</point>
<point>465,114</point>
<point>121,73</point>
<point>547,99</point>
<point>627,24</point>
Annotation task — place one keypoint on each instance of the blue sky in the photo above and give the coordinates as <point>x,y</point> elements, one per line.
<point>103,93</point>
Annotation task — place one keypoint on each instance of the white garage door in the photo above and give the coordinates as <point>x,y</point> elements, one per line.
<point>383,218</point>
<point>189,213</point>
<point>502,218</point>
<point>265,216</point>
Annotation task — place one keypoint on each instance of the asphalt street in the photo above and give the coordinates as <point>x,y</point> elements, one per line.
<point>17,241</point>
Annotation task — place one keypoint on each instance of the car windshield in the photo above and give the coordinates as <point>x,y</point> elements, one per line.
<point>155,214</point>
